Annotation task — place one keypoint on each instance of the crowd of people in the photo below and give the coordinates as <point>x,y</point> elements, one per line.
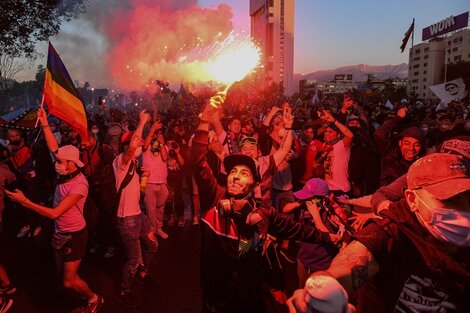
<point>371,202</point>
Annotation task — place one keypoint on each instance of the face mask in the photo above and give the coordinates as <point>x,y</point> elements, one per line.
<point>155,149</point>
<point>445,127</point>
<point>138,152</point>
<point>467,125</point>
<point>61,169</point>
<point>424,129</point>
<point>448,225</point>
<point>95,131</point>
<point>15,143</point>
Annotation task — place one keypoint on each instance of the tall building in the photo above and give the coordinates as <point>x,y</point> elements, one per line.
<point>428,60</point>
<point>272,27</point>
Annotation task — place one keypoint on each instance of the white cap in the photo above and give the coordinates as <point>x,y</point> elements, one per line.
<point>327,295</point>
<point>69,153</point>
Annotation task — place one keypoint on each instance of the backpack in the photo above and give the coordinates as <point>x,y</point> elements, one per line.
<point>110,196</point>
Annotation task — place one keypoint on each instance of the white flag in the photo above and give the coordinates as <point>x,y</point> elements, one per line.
<point>453,90</point>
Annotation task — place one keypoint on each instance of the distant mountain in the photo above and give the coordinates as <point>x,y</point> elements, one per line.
<point>359,73</point>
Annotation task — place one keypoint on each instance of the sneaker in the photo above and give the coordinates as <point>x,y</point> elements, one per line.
<point>181,222</point>
<point>23,231</point>
<point>195,220</point>
<point>110,252</point>
<point>160,233</point>
<point>94,249</point>
<point>37,230</point>
<point>5,305</point>
<point>128,299</point>
<point>92,307</point>
<point>7,290</point>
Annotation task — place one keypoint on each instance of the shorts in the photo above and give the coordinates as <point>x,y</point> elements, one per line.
<point>75,248</point>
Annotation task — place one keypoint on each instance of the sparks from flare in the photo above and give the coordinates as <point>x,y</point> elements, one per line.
<point>229,58</point>
<point>233,59</point>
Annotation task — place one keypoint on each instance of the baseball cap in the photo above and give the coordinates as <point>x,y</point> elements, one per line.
<point>352,117</point>
<point>233,160</point>
<point>443,175</point>
<point>69,153</point>
<point>314,187</point>
<point>327,295</point>
<point>457,145</point>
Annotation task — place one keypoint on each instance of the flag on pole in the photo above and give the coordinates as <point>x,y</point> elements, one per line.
<point>60,95</point>
<point>407,36</point>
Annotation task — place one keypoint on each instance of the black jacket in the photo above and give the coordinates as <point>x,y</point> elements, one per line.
<point>231,251</point>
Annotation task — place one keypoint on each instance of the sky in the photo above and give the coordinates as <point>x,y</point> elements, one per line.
<point>328,34</point>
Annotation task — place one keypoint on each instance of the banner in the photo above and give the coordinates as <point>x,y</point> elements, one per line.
<point>445,26</point>
<point>453,90</point>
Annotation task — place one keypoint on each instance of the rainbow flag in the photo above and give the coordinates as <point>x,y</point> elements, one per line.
<point>60,95</point>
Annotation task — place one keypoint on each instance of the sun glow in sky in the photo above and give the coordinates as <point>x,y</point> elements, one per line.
<point>334,33</point>
<point>328,34</point>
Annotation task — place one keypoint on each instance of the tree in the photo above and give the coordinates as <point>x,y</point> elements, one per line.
<point>40,75</point>
<point>25,22</point>
<point>8,69</point>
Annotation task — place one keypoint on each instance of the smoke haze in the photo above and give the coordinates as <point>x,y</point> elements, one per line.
<point>127,44</point>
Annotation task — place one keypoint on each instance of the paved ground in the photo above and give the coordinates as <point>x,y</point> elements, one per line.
<point>30,264</point>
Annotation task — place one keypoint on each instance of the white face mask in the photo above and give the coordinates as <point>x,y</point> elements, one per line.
<point>424,129</point>
<point>95,131</point>
<point>445,126</point>
<point>447,225</point>
<point>61,169</point>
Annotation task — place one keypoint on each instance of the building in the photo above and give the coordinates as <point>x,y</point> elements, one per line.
<point>307,87</point>
<point>337,87</point>
<point>428,60</point>
<point>272,27</point>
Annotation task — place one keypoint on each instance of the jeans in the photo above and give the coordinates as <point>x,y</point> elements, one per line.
<point>140,250</point>
<point>155,200</point>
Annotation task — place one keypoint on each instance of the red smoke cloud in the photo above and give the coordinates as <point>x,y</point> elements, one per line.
<point>153,40</point>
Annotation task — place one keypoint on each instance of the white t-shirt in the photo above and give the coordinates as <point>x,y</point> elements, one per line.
<point>336,167</point>
<point>130,196</point>
<point>158,169</point>
<point>72,220</point>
